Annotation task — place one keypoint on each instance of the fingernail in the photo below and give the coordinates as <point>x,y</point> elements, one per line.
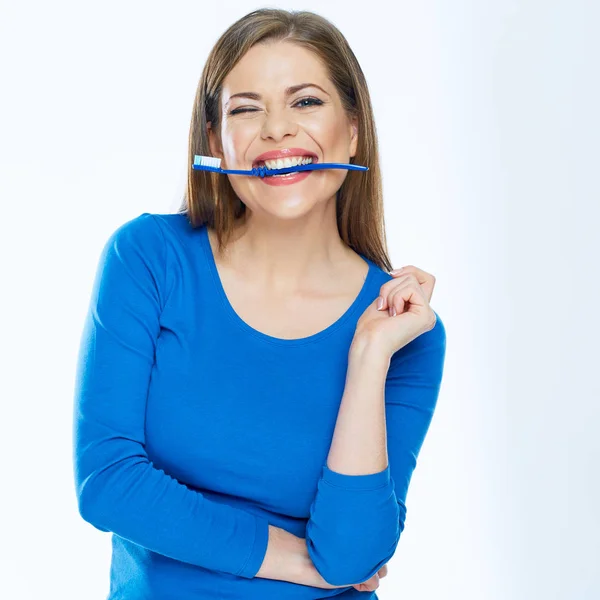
<point>392,311</point>
<point>380,303</point>
<point>396,271</point>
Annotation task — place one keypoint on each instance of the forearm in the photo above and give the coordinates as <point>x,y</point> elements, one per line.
<point>353,526</point>
<point>359,446</point>
<point>359,443</point>
<point>283,559</point>
<point>287,559</point>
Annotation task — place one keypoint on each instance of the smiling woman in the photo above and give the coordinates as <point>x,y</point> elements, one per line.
<point>311,114</point>
<point>247,425</point>
<point>276,80</point>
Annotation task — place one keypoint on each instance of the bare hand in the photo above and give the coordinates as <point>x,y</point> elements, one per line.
<point>372,584</point>
<point>408,294</point>
<point>366,586</point>
<point>426,280</point>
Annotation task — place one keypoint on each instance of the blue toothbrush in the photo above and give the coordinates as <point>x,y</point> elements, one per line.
<point>212,164</point>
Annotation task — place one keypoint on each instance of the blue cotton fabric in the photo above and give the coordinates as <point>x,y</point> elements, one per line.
<point>193,431</point>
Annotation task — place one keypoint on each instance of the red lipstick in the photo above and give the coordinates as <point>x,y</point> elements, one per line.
<point>284,153</point>
<point>287,179</point>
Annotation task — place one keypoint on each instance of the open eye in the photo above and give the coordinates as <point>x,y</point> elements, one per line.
<point>314,102</point>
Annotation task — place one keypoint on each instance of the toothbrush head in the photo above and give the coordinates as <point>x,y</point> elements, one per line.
<point>207,161</point>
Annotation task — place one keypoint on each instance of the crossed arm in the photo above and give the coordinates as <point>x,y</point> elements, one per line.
<point>358,447</point>
<point>385,413</point>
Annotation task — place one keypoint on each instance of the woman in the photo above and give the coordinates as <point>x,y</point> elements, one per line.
<point>239,388</point>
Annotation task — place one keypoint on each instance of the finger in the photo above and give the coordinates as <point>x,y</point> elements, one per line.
<point>390,289</point>
<point>368,586</point>
<point>403,295</point>
<point>372,584</point>
<point>425,279</point>
<point>410,269</point>
<point>388,286</point>
<point>395,302</point>
<point>383,571</point>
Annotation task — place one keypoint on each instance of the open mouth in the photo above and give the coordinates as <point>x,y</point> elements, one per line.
<point>285,163</point>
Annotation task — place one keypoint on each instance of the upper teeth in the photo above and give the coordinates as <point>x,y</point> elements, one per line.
<point>291,161</point>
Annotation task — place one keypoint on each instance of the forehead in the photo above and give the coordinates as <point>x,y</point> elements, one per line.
<point>269,68</point>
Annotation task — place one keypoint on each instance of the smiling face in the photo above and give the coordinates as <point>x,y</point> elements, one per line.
<point>310,119</point>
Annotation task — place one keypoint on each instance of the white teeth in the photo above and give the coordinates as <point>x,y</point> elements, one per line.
<point>282,163</point>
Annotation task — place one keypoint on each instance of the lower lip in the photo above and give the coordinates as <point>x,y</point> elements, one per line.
<point>288,179</point>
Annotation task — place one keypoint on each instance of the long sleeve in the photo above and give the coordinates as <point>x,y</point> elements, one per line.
<point>118,488</point>
<point>356,520</point>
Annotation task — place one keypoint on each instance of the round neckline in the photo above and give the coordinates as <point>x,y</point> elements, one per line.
<point>235,318</point>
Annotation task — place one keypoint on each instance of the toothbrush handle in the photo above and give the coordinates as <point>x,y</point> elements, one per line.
<point>219,170</point>
<point>316,166</point>
<point>261,171</point>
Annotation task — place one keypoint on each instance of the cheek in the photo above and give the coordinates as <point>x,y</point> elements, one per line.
<point>328,133</point>
<point>235,143</point>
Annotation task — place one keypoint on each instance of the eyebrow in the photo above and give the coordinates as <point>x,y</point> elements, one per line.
<point>288,92</point>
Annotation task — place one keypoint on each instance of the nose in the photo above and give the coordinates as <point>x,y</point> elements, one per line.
<point>277,125</point>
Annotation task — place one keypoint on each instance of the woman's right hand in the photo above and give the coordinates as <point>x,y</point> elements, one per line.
<point>372,584</point>
<point>366,586</point>
<point>309,574</point>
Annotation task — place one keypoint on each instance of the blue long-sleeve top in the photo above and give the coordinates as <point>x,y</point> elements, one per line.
<point>193,431</point>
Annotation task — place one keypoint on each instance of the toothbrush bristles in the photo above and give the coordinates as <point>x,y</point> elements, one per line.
<point>207,161</point>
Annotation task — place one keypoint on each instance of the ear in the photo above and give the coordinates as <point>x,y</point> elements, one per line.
<point>353,136</point>
<point>214,142</point>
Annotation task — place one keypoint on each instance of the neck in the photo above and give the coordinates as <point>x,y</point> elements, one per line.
<point>287,256</point>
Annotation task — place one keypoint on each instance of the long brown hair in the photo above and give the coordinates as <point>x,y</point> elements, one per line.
<point>209,196</point>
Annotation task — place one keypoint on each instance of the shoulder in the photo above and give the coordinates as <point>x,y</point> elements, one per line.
<point>154,230</point>
<point>136,238</point>
<point>152,224</point>
<point>137,229</point>
<point>423,358</point>
<point>136,248</point>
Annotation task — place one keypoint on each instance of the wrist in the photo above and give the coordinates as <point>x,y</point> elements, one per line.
<point>314,579</point>
<point>364,350</point>
<point>307,572</point>
<point>287,559</point>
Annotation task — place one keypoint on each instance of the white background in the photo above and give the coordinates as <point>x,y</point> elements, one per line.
<point>487,114</point>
